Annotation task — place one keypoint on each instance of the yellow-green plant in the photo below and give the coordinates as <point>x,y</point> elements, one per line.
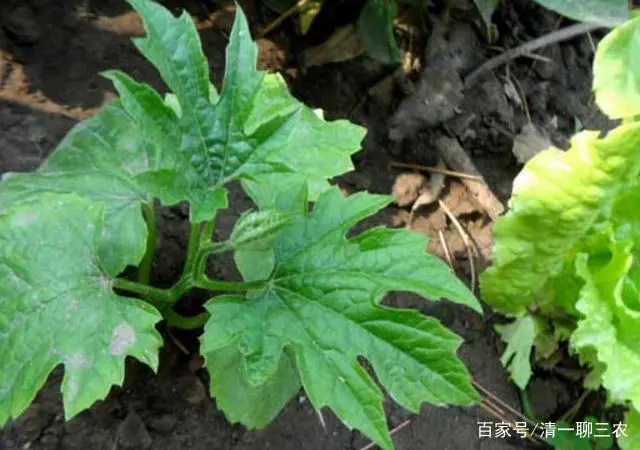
<point>567,254</point>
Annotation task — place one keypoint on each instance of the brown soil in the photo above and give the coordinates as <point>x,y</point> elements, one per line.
<point>50,55</point>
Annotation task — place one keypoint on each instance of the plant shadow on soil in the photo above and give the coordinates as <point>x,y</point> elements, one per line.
<point>50,57</point>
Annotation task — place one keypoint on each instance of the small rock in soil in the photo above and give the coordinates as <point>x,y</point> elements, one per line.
<point>49,442</point>
<point>271,56</point>
<point>163,424</point>
<point>132,433</point>
<point>436,99</point>
<point>455,48</point>
<point>461,124</point>
<point>196,362</point>
<point>191,389</point>
<point>546,395</point>
<point>488,98</point>
<point>20,23</point>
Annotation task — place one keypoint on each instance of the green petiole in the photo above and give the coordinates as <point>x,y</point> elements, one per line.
<point>155,296</point>
<point>186,323</point>
<point>144,270</point>
<point>193,276</point>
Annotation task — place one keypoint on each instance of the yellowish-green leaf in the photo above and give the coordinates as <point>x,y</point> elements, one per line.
<point>557,200</point>
<point>609,326</point>
<point>616,71</point>
<point>608,13</point>
<point>520,336</point>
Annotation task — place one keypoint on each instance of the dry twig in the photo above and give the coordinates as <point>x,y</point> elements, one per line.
<point>502,403</point>
<point>370,445</point>
<point>488,404</point>
<point>465,239</point>
<point>445,247</point>
<point>178,344</point>
<point>438,170</point>
<point>528,47</point>
<point>284,16</point>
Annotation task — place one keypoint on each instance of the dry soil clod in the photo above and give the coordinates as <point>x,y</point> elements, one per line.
<point>407,188</point>
<point>457,159</point>
<point>414,189</point>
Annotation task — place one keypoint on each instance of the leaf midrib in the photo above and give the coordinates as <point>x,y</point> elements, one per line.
<point>194,112</point>
<point>335,369</point>
<point>358,325</point>
<point>342,228</point>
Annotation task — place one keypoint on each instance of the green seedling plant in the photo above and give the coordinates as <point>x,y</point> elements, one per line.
<point>566,256</point>
<point>309,303</point>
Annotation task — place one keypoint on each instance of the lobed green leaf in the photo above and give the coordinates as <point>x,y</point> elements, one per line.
<point>50,277</point>
<point>99,159</point>
<point>322,304</point>
<point>254,131</point>
<point>609,327</point>
<point>253,406</point>
<point>520,336</point>
<point>562,204</point>
<point>631,439</point>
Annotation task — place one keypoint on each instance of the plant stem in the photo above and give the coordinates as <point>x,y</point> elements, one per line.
<point>216,247</point>
<point>154,295</point>
<point>207,232</point>
<point>199,248</point>
<point>208,249</point>
<point>276,23</point>
<point>186,323</point>
<point>570,414</point>
<point>527,407</point>
<point>184,285</point>
<point>192,248</point>
<point>205,282</point>
<point>144,269</point>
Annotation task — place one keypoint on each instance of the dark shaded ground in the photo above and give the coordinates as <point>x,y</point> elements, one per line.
<point>50,56</point>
